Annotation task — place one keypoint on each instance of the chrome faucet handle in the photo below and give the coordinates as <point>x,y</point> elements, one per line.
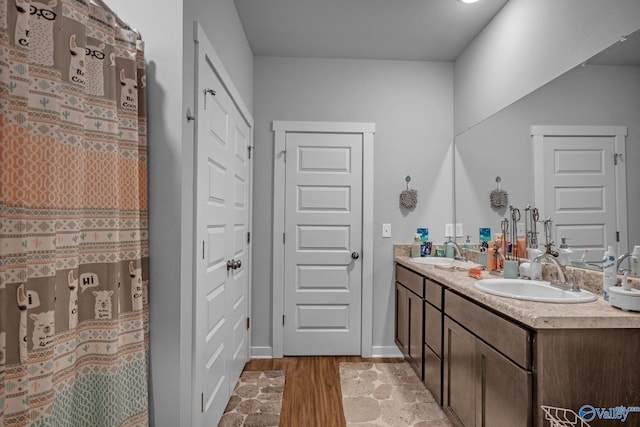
<point>572,277</point>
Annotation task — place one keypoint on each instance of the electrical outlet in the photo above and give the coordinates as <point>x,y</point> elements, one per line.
<point>448,230</point>
<point>520,229</point>
<point>386,230</point>
<point>459,232</point>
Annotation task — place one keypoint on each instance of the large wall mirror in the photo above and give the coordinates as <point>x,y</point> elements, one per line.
<point>585,105</point>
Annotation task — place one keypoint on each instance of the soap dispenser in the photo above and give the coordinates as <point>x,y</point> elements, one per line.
<point>564,254</point>
<point>468,244</point>
<point>449,249</point>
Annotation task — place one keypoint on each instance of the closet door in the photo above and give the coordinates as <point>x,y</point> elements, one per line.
<point>222,261</point>
<point>214,246</point>
<point>239,280</point>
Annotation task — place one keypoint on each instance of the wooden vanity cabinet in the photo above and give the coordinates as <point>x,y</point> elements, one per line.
<point>409,321</point>
<point>487,370</point>
<point>487,380</point>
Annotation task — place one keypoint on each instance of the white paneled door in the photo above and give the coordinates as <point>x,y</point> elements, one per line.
<point>580,173</point>
<point>323,241</point>
<point>222,197</point>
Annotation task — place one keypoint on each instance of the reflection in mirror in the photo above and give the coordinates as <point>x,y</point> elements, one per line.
<point>603,92</point>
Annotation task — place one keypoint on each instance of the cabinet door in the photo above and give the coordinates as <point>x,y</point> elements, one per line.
<point>433,374</point>
<point>433,328</point>
<point>416,331</point>
<point>503,390</point>
<point>459,377</point>
<point>402,319</point>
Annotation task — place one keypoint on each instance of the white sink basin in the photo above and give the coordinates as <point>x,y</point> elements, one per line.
<point>532,290</point>
<point>432,260</point>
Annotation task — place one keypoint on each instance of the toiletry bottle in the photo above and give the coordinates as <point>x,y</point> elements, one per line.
<point>500,243</point>
<point>609,276</point>
<point>415,247</point>
<point>564,254</point>
<point>468,244</point>
<point>482,256</point>
<point>635,257</point>
<point>491,257</point>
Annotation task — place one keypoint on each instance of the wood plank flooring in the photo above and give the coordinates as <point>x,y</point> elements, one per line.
<point>312,395</point>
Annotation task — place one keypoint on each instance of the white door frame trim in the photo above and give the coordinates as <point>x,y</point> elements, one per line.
<point>367,130</point>
<point>619,133</point>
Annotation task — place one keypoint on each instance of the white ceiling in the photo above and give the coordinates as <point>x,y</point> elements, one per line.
<point>419,30</point>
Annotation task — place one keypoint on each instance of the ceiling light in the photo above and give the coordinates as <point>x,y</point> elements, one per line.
<point>468,1</point>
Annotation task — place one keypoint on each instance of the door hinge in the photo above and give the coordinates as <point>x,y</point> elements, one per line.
<point>248,322</point>
<point>617,157</point>
<point>210,92</point>
<point>617,236</point>
<point>203,249</point>
<point>284,238</point>
<point>202,402</point>
<point>248,237</point>
<point>283,320</point>
<point>249,148</point>
<point>284,155</point>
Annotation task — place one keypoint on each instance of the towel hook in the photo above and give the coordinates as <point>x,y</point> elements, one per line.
<point>408,179</point>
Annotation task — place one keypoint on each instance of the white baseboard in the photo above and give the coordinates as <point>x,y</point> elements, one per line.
<point>377,351</point>
<point>261,353</point>
<point>386,351</point>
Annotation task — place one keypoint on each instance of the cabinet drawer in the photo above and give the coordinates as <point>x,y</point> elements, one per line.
<point>433,292</point>
<point>410,280</point>
<point>433,328</point>
<point>433,374</point>
<point>510,339</point>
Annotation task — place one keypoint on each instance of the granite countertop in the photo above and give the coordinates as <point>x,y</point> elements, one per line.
<point>537,315</point>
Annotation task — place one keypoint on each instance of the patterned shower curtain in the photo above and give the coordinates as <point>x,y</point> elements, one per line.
<point>73,217</point>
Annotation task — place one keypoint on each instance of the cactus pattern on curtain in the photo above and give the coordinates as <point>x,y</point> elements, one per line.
<point>73,217</point>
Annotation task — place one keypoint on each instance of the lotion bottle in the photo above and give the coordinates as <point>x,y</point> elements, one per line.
<point>416,246</point>
<point>609,276</point>
<point>491,257</point>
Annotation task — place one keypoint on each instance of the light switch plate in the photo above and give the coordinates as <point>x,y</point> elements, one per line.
<point>448,230</point>
<point>459,232</point>
<point>386,230</point>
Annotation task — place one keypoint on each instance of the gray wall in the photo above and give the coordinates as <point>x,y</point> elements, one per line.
<point>168,33</point>
<point>501,145</point>
<point>529,43</point>
<point>411,104</point>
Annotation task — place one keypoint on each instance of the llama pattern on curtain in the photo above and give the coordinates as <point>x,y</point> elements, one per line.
<point>73,217</point>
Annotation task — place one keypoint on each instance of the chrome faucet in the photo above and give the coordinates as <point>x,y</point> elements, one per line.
<point>462,257</point>
<point>620,259</point>
<point>562,281</point>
